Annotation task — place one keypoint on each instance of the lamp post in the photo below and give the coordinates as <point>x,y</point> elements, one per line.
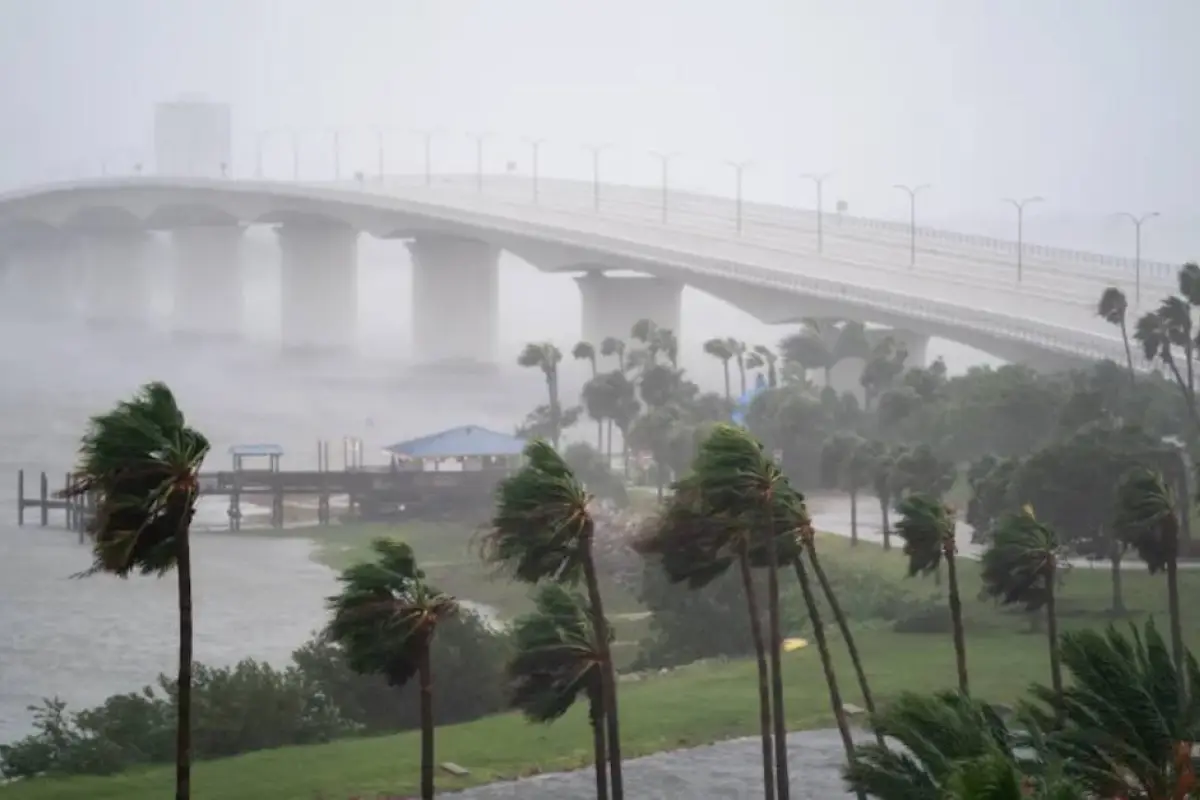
<point>1019,205</point>
<point>428,137</point>
<point>665,158</point>
<point>912,192</point>
<point>478,137</point>
<point>596,149</point>
<point>1137,251</point>
<point>535,145</point>
<point>739,168</point>
<point>819,180</point>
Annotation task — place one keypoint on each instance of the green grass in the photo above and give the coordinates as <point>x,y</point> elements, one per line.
<point>691,706</point>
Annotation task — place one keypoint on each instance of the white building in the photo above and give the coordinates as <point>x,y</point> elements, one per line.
<point>193,137</point>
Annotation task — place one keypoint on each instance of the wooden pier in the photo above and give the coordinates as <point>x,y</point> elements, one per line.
<point>76,512</point>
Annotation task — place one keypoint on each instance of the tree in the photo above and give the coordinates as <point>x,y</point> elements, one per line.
<point>824,343</point>
<point>882,470</point>
<point>990,481</point>
<point>1125,731</point>
<point>762,356</point>
<point>1147,520</point>
<point>585,351</point>
<point>543,530</point>
<point>1114,308</point>
<point>141,463</point>
<point>1020,565</point>
<point>542,422</point>
<point>657,432</point>
<point>385,617</point>
<point>557,660</point>
<point>722,350</point>
<point>885,364</point>
<point>927,527</point>
<point>920,471</point>
<point>846,462</point>
<point>546,357</point>
<point>612,347</point>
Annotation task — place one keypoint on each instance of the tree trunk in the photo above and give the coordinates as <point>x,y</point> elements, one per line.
<point>764,690</point>
<point>1128,354</point>
<point>183,700</point>
<point>555,411</point>
<point>610,446</point>
<point>425,676</point>
<point>600,436</point>
<point>887,528</point>
<point>835,695</point>
<point>599,746</point>
<point>960,639</point>
<point>1118,591</point>
<point>843,624</point>
<point>779,719</point>
<point>1052,633</point>
<point>608,674</point>
<point>728,387</point>
<point>853,516</point>
<point>1173,610</point>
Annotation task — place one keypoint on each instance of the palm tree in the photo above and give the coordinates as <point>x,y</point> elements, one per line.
<point>824,343</point>
<point>846,464</point>
<point>1114,308</point>
<point>141,463</point>
<point>695,546</point>
<point>739,358</point>
<point>614,347</point>
<point>762,356</point>
<point>722,350</point>
<point>584,351</point>
<point>556,661</point>
<point>546,357</point>
<point>1125,731</point>
<point>883,469</point>
<point>1147,520</point>
<point>1020,565</point>
<point>927,527</point>
<point>543,530</point>
<point>385,617</point>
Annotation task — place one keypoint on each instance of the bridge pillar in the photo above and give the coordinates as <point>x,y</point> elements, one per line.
<point>39,277</point>
<point>115,286</point>
<point>611,306</point>
<point>455,299</point>
<point>319,286</point>
<point>208,281</point>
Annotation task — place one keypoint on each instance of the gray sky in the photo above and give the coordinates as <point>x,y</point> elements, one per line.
<point>1094,104</point>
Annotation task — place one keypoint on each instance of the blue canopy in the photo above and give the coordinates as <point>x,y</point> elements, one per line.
<point>738,417</point>
<point>462,442</point>
<point>251,450</point>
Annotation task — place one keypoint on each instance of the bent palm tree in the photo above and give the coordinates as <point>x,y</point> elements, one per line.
<point>385,617</point>
<point>1020,565</point>
<point>927,527</point>
<point>1114,308</point>
<point>1147,520</point>
<point>722,350</point>
<point>585,351</point>
<point>543,530</point>
<point>141,461</point>
<point>547,357</point>
<point>556,661</point>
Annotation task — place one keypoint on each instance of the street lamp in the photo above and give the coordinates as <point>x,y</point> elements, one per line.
<point>819,180</point>
<point>665,158</point>
<point>739,167</point>
<point>1137,252</point>
<point>1019,205</point>
<point>428,137</point>
<point>379,142</point>
<point>912,192</point>
<point>596,148</point>
<point>478,137</point>
<point>535,145</point>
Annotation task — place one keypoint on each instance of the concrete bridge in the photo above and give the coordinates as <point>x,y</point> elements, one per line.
<point>775,265</point>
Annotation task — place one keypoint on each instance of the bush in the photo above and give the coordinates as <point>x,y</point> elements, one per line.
<point>253,706</point>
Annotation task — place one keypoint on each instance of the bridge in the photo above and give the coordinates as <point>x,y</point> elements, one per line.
<point>778,264</point>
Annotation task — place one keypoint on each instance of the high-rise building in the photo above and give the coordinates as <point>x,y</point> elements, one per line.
<point>193,137</point>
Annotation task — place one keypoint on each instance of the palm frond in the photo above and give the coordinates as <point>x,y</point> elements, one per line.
<point>542,525</point>
<point>927,528</point>
<point>1146,517</point>
<point>1021,557</point>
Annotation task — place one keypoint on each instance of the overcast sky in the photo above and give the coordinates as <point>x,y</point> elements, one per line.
<point>1094,104</point>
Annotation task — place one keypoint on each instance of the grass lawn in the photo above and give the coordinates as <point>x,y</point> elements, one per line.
<point>691,706</point>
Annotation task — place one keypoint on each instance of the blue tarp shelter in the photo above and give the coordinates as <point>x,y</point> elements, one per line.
<point>742,405</point>
<point>271,452</point>
<point>467,441</point>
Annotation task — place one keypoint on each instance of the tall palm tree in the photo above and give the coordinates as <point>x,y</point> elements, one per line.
<point>824,343</point>
<point>808,546</point>
<point>543,530</point>
<point>141,462</point>
<point>695,546</point>
<point>1114,308</point>
<point>556,661</point>
<point>846,464</point>
<point>1020,565</point>
<point>1147,520</point>
<point>739,357</point>
<point>585,351</point>
<point>612,347</point>
<point>546,357</point>
<point>763,356</point>
<point>883,478</point>
<point>385,617</point>
<point>721,350</point>
<point>927,527</point>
